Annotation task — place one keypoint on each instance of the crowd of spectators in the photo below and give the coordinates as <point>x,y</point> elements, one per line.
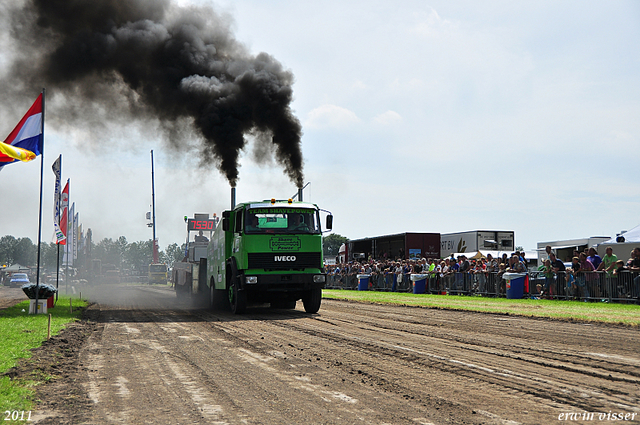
<point>589,272</point>
<point>587,277</point>
<point>437,269</point>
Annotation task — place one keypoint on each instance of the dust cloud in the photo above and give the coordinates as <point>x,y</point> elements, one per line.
<point>136,297</point>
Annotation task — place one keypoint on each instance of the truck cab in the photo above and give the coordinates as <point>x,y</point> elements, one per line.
<point>157,273</point>
<point>269,251</point>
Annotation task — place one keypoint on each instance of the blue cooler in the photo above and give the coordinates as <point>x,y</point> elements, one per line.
<point>419,283</point>
<point>363,282</point>
<point>515,285</point>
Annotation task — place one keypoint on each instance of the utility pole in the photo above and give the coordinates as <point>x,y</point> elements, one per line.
<point>153,212</point>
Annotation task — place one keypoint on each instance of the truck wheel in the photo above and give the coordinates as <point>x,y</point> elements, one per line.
<point>220,300</point>
<point>312,300</point>
<point>237,299</point>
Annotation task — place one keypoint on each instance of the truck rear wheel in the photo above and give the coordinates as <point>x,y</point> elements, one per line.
<point>312,300</point>
<point>220,299</point>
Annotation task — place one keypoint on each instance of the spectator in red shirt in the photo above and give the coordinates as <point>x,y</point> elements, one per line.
<point>585,275</point>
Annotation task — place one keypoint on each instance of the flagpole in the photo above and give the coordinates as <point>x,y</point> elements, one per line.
<point>40,216</point>
<point>57,268</point>
<point>153,201</point>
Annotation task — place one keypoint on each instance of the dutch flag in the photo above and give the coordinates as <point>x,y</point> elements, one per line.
<point>27,134</point>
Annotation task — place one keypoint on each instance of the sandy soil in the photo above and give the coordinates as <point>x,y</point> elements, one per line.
<point>144,358</point>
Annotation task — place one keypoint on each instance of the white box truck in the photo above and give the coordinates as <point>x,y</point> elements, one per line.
<point>476,240</point>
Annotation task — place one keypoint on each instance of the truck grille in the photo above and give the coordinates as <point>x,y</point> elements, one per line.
<point>284,261</point>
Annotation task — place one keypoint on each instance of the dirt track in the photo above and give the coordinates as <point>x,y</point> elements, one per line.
<point>350,363</point>
<point>11,296</point>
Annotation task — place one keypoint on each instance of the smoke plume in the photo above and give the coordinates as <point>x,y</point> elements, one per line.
<point>152,60</point>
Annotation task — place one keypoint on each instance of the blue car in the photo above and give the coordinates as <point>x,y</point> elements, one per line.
<point>18,279</point>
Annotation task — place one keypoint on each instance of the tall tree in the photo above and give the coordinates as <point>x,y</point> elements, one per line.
<point>138,256</point>
<point>172,254</point>
<point>7,248</point>
<point>109,252</point>
<point>17,251</point>
<point>48,255</point>
<point>331,244</point>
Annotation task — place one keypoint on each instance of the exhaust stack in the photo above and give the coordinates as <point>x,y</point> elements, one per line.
<point>300,194</point>
<point>233,197</point>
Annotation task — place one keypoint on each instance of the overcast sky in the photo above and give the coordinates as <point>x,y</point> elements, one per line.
<point>418,116</point>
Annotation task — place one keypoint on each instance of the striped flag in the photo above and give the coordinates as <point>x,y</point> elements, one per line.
<point>64,213</point>
<point>10,153</point>
<point>27,136</point>
<point>57,169</point>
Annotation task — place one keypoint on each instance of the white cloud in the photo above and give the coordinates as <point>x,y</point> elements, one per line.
<point>431,25</point>
<point>331,116</point>
<point>387,118</point>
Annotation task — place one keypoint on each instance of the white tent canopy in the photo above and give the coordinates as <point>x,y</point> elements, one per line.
<point>632,235</point>
<point>622,249</point>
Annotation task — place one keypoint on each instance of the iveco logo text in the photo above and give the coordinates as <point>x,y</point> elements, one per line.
<point>284,258</point>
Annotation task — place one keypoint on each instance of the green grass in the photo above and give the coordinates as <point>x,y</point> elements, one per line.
<point>19,333</point>
<point>628,314</point>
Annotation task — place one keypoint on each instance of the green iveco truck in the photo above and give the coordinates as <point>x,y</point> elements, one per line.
<point>267,252</point>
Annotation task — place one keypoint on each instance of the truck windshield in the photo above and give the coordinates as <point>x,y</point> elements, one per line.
<point>281,220</point>
<point>158,268</point>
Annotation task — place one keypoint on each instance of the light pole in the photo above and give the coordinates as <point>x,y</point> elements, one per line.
<point>153,212</point>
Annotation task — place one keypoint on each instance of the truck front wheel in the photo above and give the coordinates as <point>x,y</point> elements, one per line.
<point>237,298</point>
<point>312,300</point>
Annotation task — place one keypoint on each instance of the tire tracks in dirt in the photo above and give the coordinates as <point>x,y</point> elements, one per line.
<point>560,375</point>
<point>159,361</point>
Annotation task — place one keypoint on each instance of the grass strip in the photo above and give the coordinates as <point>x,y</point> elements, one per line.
<point>627,314</point>
<point>19,333</point>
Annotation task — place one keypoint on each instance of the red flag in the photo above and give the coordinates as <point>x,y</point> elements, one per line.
<point>27,135</point>
<point>64,212</point>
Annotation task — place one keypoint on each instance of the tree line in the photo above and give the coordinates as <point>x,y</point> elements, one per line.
<point>124,255</point>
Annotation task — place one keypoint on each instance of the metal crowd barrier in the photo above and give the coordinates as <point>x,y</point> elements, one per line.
<point>585,286</point>
<point>389,282</point>
<point>592,286</point>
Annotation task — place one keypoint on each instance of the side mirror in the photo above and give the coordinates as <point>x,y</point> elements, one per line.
<point>225,224</point>
<point>329,224</point>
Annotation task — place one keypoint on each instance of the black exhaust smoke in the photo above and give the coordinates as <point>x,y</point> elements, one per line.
<point>152,60</point>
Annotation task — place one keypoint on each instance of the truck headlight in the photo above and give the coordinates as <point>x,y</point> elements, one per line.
<point>319,278</point>
<point>252,279</point>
